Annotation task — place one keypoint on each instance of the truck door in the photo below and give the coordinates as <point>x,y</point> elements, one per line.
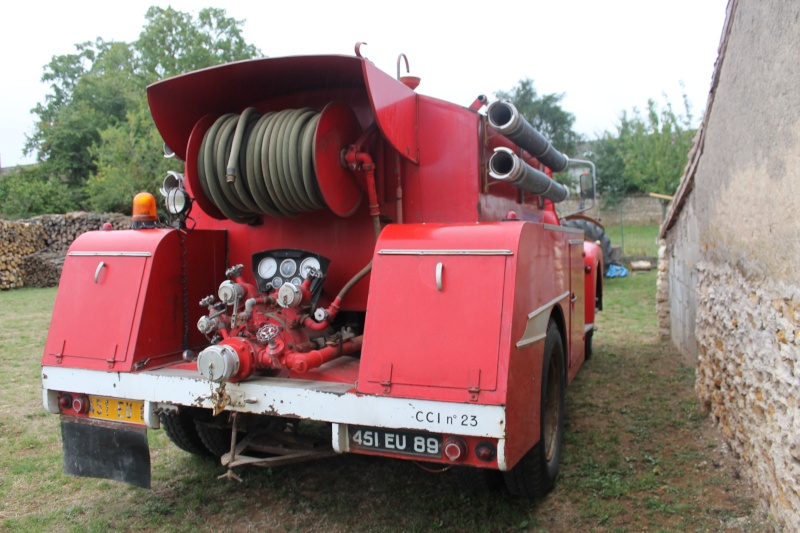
<point>577,305</point>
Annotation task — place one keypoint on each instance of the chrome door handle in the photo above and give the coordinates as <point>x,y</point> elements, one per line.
<point>99,268</point>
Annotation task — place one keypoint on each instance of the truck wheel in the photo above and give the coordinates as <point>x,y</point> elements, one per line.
<point>535,474</point>
<point>215,436</point>
<point>595,233</point>
<point>179,427</point>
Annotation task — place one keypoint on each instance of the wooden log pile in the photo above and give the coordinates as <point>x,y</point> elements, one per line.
<point>32,251</point>
<point>42,269</point>
<point>61,230</point>
<point>17,239</point>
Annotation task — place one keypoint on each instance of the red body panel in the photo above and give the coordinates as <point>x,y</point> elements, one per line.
<point>460,343</point>
<point>593,284</point>
<point>133,311</point>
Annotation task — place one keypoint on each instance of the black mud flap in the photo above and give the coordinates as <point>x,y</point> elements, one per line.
<point>109,450</point>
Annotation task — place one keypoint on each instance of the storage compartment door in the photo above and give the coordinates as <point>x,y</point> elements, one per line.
<point>436,320</point>
<point>95,307</point>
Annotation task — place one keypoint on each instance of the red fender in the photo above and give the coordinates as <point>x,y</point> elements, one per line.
<point>593,267</point>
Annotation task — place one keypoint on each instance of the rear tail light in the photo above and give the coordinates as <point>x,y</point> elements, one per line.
<point>80,404</point>
<point>485,451</point>
<point>455,449</point>
<point>65,401</point>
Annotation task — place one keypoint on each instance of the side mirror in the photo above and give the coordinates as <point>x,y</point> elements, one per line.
<point>587,186</point>
<point>582,176</point>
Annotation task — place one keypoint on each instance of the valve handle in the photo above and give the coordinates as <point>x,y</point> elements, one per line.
<point>267,332</point>
<point>234,272</point>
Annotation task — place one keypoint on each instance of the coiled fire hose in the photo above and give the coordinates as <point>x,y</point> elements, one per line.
<point>250,165</point>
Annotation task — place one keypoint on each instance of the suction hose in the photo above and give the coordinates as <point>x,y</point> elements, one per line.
<point>505,118</point>
<point>504,165</point>
<point>250,165</point>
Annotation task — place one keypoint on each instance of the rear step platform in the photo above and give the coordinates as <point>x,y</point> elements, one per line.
<point>272,448</point>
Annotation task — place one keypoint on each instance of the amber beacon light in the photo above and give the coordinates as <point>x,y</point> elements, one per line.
<point>144,211</point>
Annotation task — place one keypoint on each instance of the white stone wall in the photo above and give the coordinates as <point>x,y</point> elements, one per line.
<point>682,255</point>
<point>734,253</point>
<point>748,337</point>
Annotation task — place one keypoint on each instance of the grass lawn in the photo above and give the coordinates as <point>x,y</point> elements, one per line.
<point>638,456</point>
<point>636,241</point>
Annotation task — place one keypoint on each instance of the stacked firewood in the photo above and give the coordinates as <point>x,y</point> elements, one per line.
<point>17,239</point>
<point>61,230</point>
<point>42,269</point>
<point>32,251</point>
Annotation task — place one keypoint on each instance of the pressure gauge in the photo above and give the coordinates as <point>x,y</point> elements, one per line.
<point>296,281</point>
<point>288,268</point>
<point>267,267</point>
<point>307,264</point>
<point>276,282</point>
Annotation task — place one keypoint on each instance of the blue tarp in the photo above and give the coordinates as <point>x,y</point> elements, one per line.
<point>616,271</point>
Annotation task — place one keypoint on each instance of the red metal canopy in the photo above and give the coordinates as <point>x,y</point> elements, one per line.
<point>178,103</point>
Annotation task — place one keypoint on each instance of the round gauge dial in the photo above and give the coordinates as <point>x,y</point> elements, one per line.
<point>307,264</point>
<point>276,282</point>
<point>267,267</point>
<point>288,268</point>
<point>296,281</point>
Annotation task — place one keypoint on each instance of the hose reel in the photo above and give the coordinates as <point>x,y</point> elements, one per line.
<point>280,163</point>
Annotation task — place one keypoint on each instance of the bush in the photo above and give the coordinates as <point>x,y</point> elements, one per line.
<point>30,191</point>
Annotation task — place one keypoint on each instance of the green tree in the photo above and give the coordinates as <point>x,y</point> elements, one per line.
<point>606,154</point>
<point>172,42</point>
<point>90,90</point>
<point>93,130</point>
<point>125,162</point>
<point>655,146</point>
<point>545,114</point>
<point>646,153</point>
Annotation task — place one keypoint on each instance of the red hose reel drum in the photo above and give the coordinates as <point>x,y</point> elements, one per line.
<point>336,130</point>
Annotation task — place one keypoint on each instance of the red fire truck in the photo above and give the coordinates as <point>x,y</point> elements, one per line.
<point>341,250</point>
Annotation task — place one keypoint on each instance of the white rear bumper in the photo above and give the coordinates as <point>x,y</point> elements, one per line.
<point>313,400</point>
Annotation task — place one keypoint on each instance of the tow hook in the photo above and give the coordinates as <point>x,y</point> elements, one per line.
<point>220,399</point>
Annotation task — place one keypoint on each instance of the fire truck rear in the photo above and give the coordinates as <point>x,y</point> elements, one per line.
<point>341,250</point>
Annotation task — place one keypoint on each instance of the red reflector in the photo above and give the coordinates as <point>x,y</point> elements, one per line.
<point>455,449</point>
<point>485,451</point>
<point>65,401</point>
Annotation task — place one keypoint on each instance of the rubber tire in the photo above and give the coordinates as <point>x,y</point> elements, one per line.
<point>180,428</point>
<point>216,439</point>
<point>595,233</point>
<point>534,476</point>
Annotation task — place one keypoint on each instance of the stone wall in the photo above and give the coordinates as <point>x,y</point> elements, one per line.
<point>662,292</point>
<point>633,210</point>
<point>682,255</point>
<point>734,255</point>
<point>748,337</point>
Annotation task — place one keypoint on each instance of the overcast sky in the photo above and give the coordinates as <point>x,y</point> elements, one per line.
<point>606,56</point>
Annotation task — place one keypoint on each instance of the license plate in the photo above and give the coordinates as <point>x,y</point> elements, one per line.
<point>131,411</point>
<point>395,441</point>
